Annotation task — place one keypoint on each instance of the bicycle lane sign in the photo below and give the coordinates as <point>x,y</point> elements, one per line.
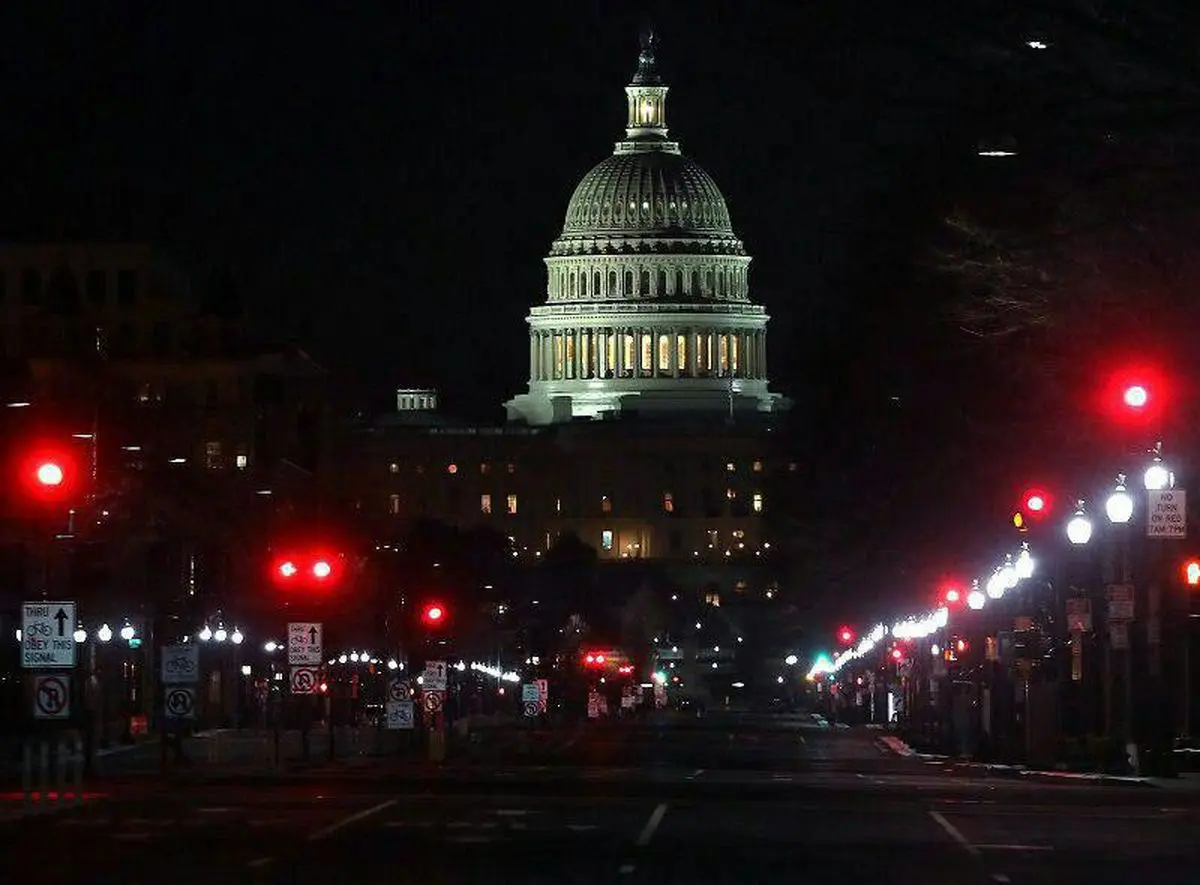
<point>180,664</point>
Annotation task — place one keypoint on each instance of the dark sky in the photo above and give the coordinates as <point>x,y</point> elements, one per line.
<point>384,179</point>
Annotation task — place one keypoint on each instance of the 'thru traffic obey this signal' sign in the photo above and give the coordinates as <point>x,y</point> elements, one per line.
<point>47,635</point>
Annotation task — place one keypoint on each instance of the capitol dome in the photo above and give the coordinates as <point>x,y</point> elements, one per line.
<point>647,298</point>
<point>648,192</point>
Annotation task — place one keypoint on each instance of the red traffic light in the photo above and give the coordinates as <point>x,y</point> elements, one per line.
<point>50,473</point>
<point>1135,393</point>
<point>1136,396</point>
<point>433,614</point>
<point>1191,573</point>
<point>594,659</point>
<point>1035,503</point>
<point>309,569</point>
<point>897,655</point>
<point>321,569</point>
<point>47,473</point>
<point>845,635</point>
<point>952,595</point>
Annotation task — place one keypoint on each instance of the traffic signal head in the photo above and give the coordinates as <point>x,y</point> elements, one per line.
<point>1135,394</point>
<point>594,659</point>
<point>897,655</point>
<point>952,595</point>
<point>47,474</point>
<point>306,569</point>
<point>1191,573</point>
<point>1035,503</point>
<point>433,614</point>
<point>845,635</point>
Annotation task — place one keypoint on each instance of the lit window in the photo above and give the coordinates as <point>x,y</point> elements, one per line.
<point>512,468</point>
<point>452,469</point>
<point>713,599</point>
<point>485,503</point>
<point>484,467</point>
<point>739,534</point>
<point>558,505</point>
<point>664,353</point>
<point>606,539</point>
<point>242,461</point>
<point>212,455</point>
<point>605,505</point>
<point>647,354</point>
<point>394,467</point>
<point>512,504</point>
<point>730,467</point>
<point>758,467</point>
<point>668,502</point>
<point>393,504</point>
<point>731,494</point>
<point>758,502</point>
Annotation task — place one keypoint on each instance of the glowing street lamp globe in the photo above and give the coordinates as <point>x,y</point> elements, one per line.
<point>1119,506</point>
<point>1079,529</point>
<point>1157,477</point>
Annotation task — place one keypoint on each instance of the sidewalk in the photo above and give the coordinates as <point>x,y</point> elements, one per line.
<point>1188,782</point>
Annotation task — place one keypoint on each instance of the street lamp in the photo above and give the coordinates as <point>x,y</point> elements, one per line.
<point>1024,564</point>
<point>127,632</point>
<point>80,635</point>
<point>236,637</point>
<point>1119,505</point>
<point>1079,527</point>
<point>791,660</point>
<point>104,634</point>
<point>206,633</point>
<point>1157,477</point>
<point>976,599</point>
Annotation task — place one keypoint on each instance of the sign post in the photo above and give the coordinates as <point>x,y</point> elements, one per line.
<point>305,647</point>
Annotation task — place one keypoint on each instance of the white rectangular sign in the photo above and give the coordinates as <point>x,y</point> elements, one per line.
<point>180,664</point>
<point>304,644</point>
<point>434,677</point>
<point>1166,514</point>
<point>47,635</point>
<point>399,715</point>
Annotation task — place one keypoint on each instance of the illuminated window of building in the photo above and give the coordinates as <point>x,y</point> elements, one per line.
<point>793,467</point>
<point>739,534</point>
<point>647,348</point>
<point>606,539</point>
<point>668,502</point>
<point>212,455</point>
<point>731,494</point>
<point>729,467</point>
<point>485,503</point>
<point>757,467</point>
<point>605,504</point>
<point>558,355</point>
<point>681,352</point>
<point>627,347</point>
<point>712,598</point>
<point>452,469</point>
<point>664,353</point>
<point>733,352</point>
<point>758,502</point>
<point>242,461</point>
<point>393,504</point>
<point>512,504</point>
<point>511,467</point>
<point>558,505</point>
<point>723,345</point>
<point>484,467</point>
<point>394,467</point>
<point>570,363</point>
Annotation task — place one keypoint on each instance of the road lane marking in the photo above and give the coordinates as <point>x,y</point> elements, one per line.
<point>328,831</point>
<point>1001,878</point>
<point>695,774</point>
<point>626,869</point>
<point>955,833</point>
<point>259,863</point>
<point>656,817</point>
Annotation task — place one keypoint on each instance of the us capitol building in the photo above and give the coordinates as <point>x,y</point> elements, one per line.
<point>648,303</point>
<point>648,429</point>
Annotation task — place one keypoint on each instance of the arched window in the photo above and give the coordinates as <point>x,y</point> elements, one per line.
<point>612,283</point>
<point>644,283</point>
<point>628,290</point>
<point>583,285</point>
<point>596,284</point>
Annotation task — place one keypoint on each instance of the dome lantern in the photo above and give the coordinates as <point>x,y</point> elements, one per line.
<point>646,128</point>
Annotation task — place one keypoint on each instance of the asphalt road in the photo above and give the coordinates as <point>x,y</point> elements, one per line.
<point>734,801</point>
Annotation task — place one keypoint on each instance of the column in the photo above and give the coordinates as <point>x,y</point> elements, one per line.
<point>674,352</point>
<point>762,354</point>
<point>618,351</point>
<point>533,361</point>
<point>693,352</point>
<point>654,334</point>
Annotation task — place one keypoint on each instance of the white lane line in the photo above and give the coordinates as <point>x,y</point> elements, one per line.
<point>695,774</point>
<point>259,863</point>
<point>328,831</point>
<point>626,869</point>
<point>1001,878</point>
<point>647,833</point>
<point>955,833</point>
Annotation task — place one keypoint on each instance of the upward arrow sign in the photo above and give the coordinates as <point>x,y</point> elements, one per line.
<point>312,635</point>
<point>61,617</point>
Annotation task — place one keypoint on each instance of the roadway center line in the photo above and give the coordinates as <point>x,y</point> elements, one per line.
<point>955,833</point>
<point>328,831</point>
<point>695,774</point>
<point>656,817</point>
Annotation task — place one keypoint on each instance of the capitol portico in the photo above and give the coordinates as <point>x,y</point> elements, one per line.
<point>648,306</point>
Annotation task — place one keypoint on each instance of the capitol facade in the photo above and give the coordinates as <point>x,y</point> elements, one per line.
<point>648,307</point>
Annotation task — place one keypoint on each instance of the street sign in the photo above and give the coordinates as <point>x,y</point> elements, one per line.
<point>434,677</point>
<point>398,689</point>
<point>532,708</point>
<point>47,635</point>
<point>180,664</point>
<point>399,715</point>
<point>433,701</point>
<point>1166,513</point>
<point>304,644</point>
<point>1120,602</point>
<point>180,703</point>
<point>529,692</point>
<point>304,680</point>
<point>51,697</point>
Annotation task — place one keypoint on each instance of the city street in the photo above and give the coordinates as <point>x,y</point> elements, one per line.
<point>812,805</point>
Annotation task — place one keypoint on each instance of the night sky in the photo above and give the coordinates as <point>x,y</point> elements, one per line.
<point>382,180</point>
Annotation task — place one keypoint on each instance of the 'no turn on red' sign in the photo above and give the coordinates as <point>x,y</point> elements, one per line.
<point>1166,513</point>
